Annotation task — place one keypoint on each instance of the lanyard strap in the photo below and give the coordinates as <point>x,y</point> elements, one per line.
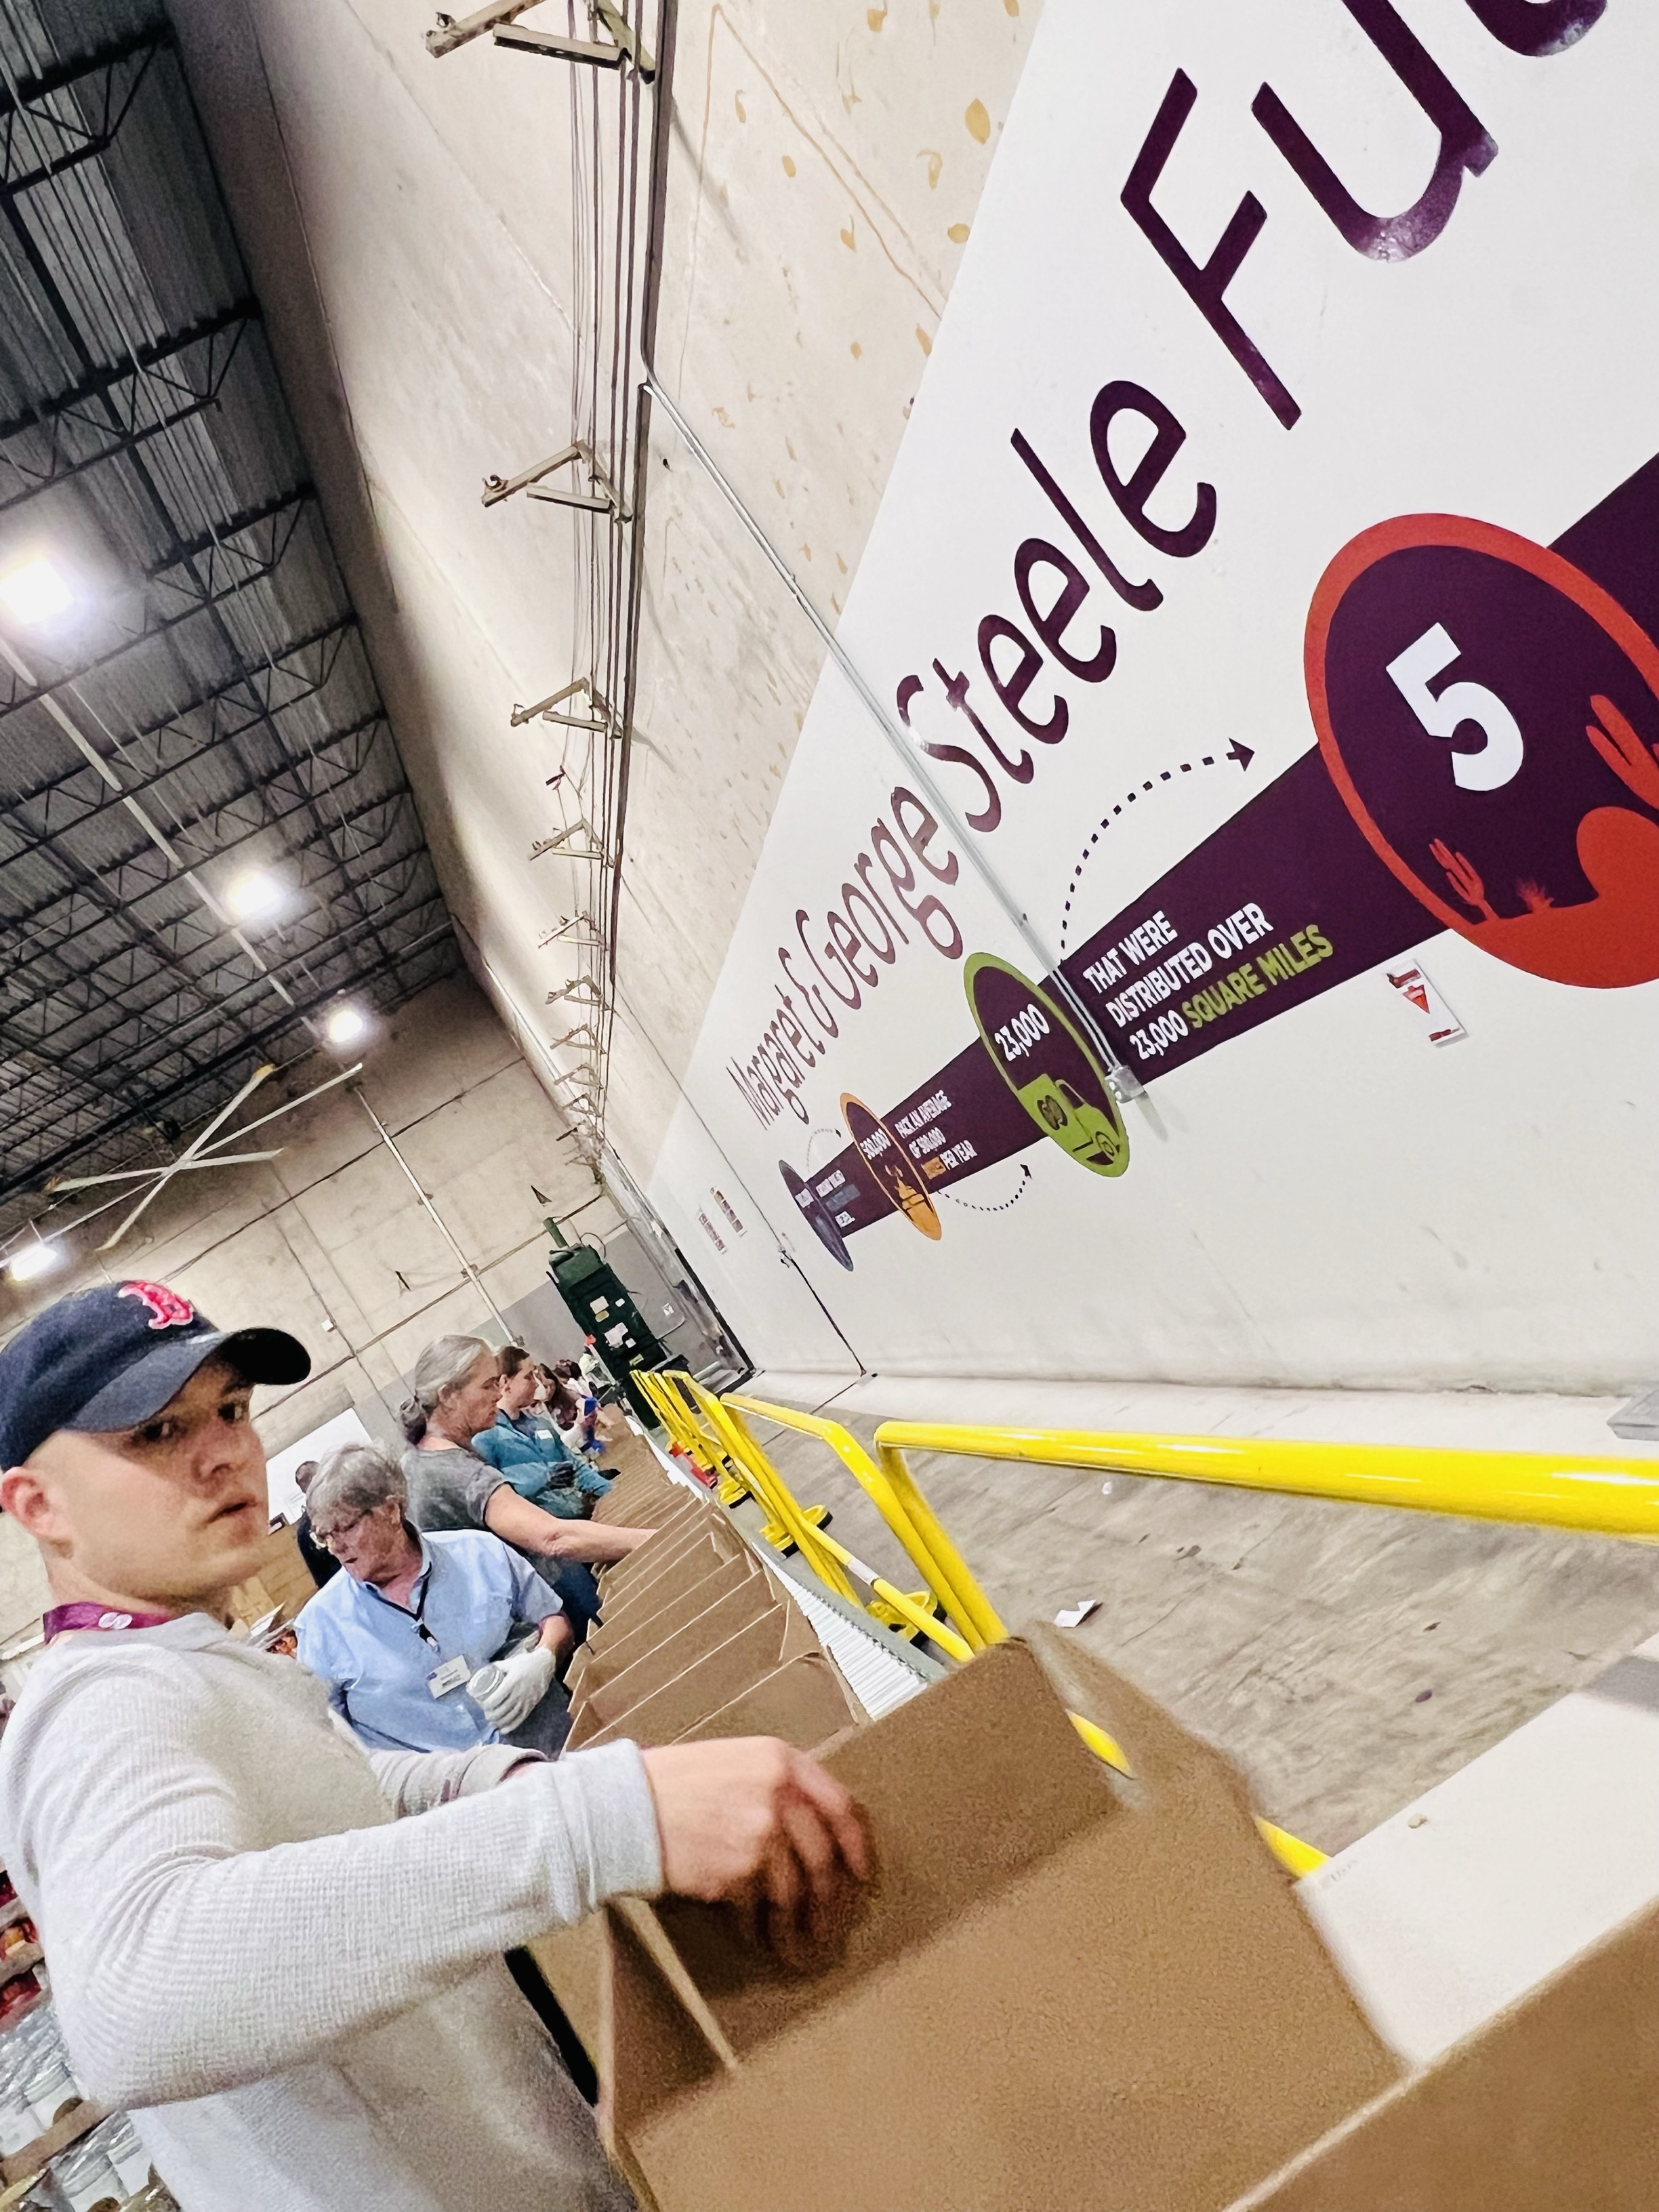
<point>61,1618</point>
<point>416,1612</point>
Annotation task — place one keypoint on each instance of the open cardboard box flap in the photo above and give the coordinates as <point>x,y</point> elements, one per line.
<point>1067,1989</point>
<point>693,1557</point>
<point>675,1517</point>
<point>1551,2106</point>
<point>663,1561</point>
<point>671,1692</point>
<point>639,1501</point>
<point>701,1617</point>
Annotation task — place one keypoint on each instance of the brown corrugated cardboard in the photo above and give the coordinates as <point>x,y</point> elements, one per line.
<point>639,1482</point>
<point>698,1619</point>
<point>667,1694</point>
<point>682,1511</point>
<point>703,1561</point>
<point>572,1961</point>
<point>674,1553</point>
<point>1068,1991</point>
<point>665,1549</point>
<point>1553,2106</point>
<point>805,1701</point>
<point>671,1597</point>
<point>659,1659</point>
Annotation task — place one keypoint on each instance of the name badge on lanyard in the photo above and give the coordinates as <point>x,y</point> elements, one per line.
<point>449,1676</point>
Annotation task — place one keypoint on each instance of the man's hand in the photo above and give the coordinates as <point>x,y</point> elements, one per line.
<point>753,1823</point>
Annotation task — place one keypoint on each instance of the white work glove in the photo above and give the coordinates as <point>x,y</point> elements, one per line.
<point>520,1685</point>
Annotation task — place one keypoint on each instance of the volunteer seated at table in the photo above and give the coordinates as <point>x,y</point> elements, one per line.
<point>523,1445</point>
<point>574,1408</point>
<point>453,1394</point>
<point>414,1620</point>
<point>298,1995</point>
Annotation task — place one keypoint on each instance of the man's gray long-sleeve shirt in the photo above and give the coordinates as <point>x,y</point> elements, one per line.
<point>298,1993</point>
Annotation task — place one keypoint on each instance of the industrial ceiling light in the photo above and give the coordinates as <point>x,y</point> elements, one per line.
<point>32,1259</point>
<point>255,896</point>
<point>36,593</point>
<point>345,1025</point>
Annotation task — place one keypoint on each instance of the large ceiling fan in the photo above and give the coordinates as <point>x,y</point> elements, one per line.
<point>205,1151</point>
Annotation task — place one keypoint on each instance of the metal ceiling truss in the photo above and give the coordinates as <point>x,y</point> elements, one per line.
<point>59,926</point>
<point>175,748</point>
<point>69,113</point>
<point>169,600</point>
<point>120,406</point>
<point>126,1000</point>
<point>141,1059</point>
<point>84,990</point>
<point>180,1024</point>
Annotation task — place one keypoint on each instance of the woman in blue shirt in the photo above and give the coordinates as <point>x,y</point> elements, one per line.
<point>403,1637</point>
<point>523,1447</point>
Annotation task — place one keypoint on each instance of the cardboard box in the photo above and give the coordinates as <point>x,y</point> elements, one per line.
<point>710,1577</point>
<point>803,1700</point>
<point>677,1552</point>
<point>696,1618</point>
<point>681,1512</point>
<point>1552,2106</point>
<point>670,1598</point>
<point>281,1582</point>
<point>639,1501</point>
<point>638,1481</point>
<point>1069,1991</point>
<point>679,1690</point>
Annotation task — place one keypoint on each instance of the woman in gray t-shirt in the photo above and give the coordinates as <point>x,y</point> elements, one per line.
<point>453,1393</point>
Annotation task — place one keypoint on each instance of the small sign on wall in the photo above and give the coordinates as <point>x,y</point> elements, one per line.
<point>1420,993</point>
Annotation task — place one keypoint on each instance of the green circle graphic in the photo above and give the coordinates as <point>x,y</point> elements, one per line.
<point>1044,1060</point>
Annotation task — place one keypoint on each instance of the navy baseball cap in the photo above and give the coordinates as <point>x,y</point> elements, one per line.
<point>112,1358</point>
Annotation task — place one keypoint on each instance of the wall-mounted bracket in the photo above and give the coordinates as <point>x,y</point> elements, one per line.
<point>570,932</point>
<point>602,500</point>
<point>584,1033</point>
<point>499,21</point>
<point>601,722</point>
<point>581,991</point>
<point>565,848</point>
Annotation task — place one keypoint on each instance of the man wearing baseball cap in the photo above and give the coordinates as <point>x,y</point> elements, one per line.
<point>299,1994</point>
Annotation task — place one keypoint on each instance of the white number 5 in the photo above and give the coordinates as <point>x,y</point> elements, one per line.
<point>1443,714</point>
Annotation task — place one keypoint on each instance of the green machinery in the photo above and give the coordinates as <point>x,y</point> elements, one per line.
<point>602,1308</point>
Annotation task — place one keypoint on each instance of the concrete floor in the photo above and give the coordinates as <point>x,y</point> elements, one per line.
<point>1346,1658</point>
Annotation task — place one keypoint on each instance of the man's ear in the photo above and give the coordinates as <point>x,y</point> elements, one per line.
<point>28,1497</point>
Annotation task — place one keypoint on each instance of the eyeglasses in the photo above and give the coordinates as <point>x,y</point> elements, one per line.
<point>329,1537</point>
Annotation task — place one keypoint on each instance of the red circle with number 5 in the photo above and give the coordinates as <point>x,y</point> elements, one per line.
<point>1491,717</point>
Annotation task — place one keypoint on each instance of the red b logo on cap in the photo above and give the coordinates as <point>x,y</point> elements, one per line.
<point>168,1309</point>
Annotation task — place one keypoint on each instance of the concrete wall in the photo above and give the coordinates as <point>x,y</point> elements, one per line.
<point>408,224</point>
<point>328,1240</point>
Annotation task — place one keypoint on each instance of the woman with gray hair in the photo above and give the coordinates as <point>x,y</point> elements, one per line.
<point>453,1390</point>
<point>406,1637</point>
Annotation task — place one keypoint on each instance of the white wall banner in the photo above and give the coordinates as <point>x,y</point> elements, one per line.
<point>1268,585</point>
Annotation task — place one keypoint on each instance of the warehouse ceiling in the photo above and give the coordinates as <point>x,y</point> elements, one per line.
<point>187,713</point>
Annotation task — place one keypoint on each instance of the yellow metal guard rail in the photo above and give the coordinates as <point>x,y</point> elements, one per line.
<point>695,1426</point>
<point>1592,1494</point>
